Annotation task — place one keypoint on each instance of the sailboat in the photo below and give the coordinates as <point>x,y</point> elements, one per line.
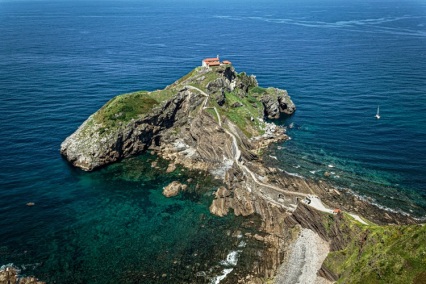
<point>378,113</point>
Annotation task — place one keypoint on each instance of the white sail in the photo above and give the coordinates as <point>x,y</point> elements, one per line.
<point>378,112</point>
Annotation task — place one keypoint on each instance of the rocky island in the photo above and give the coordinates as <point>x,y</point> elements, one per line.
<point>218,121</point>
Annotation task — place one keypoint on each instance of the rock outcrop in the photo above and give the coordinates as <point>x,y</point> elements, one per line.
<point>329,227</point>
<point>9,274</point>
<point>278,103</point>
<point>173,189</point>
<point>89,148</point>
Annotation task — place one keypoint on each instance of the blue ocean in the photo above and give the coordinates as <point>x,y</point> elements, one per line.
<point>60,61</point>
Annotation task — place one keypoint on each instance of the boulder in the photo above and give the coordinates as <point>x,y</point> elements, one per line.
<point>173,189</point>
<point>171,168</point>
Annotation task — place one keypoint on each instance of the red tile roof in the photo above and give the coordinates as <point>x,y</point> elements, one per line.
<point>213,63</point>
<point>210,59</point>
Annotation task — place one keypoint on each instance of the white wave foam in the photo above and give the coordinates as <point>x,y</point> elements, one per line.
<point>231,258</point>
<point>225,272</point>
<point>230,261</point>
<point>375,203</point>
<point>355,25</point>
<point>294,174</point>
<point>9,265</point>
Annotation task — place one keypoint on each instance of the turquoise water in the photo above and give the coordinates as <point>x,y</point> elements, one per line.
<point>61,61</point>
<point>115,225</point>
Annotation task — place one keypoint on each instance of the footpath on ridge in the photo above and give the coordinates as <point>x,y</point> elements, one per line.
<point>314,201</point>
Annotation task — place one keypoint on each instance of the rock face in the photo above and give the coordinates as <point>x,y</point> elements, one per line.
<point>219,206</point>
<point>280,103</point>
<point>88,148</point>
<point>309,218</point>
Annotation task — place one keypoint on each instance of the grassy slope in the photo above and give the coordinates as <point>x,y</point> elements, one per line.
<point>381,254</point>
<point>241,116</point>
<point>126,107</point>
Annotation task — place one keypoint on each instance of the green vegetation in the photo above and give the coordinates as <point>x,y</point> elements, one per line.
<point>245,116</point>
<point>380,254</point>
<point>242,108</point>
<point>212,114</point>
<point>257,91</point>
<point>125,107</point>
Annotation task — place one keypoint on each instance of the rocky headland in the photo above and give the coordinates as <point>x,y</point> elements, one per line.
<point>213,120</point>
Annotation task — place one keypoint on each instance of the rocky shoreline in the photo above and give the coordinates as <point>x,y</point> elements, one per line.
<point>213,121</point>
<point>9,274</point>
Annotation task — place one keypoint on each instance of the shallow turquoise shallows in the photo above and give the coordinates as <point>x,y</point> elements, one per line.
<point>60,61</point>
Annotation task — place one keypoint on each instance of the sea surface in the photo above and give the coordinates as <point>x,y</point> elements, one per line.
<point>60,61</point>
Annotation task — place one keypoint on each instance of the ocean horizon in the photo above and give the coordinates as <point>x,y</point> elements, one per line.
<point>60,61</point>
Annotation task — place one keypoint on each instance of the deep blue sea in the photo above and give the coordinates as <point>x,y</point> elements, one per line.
<point>60,61</point>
